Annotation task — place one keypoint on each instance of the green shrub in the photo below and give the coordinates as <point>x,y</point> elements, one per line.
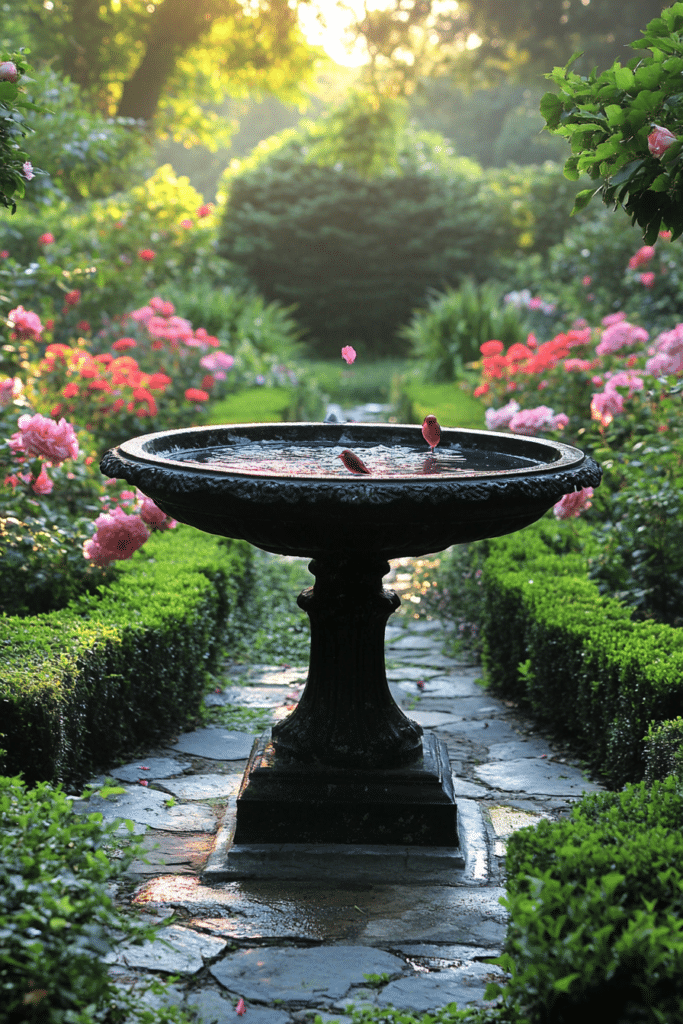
<point>355,254</point>
<point>237,314</point>
<point>57,918</point>
<point>589,672</point>
<point>120,668</point>
<point>447,332</point>
<point>639,557</point>
<point>84,155</point>
<point>664,750</point>
<point>595,908</point>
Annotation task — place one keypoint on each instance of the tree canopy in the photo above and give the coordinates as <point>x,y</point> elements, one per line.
<point>166,60</point>
<point>172,62</point>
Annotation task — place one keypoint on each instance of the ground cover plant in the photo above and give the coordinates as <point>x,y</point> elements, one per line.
<point>58,920</point>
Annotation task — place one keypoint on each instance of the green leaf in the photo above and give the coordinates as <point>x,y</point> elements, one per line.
<point>571,169</point>
<point>624,78</point>
<point>563,984</point>
<point>648,76</point>
<point>583,199</point>
<point>615,114</point>
<point>626,172</point>
<point>551,108</point>
<point>661,183</point>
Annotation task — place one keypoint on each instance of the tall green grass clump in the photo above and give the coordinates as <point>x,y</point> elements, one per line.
<point>446,333</point>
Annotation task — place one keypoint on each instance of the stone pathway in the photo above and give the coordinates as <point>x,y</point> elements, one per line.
<point>293,949</point>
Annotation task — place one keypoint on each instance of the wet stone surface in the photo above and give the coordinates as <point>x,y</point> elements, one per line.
<point>217,744</point>
<point>292,949</point>
<point>302,976</point>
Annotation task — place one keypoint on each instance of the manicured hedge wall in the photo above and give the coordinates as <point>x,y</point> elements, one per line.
<point>111,671</point>
<point>596,911</point>
<point>589,673</point>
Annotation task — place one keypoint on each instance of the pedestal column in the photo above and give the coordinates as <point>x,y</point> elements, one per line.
<point>346,716</point>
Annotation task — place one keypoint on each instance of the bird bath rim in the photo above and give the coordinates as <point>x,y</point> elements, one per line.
<point>155,450</point>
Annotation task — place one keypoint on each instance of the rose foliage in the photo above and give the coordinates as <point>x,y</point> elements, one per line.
<point>625,127</point>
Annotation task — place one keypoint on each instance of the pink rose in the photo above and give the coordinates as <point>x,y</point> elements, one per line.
<point>659,140</point>
<point>151,514</point>
<point>619,335</point>
<point>39,435</point>
<point>606,405</point>
<point>27,168</point>
<point>10,388</point>
<point>496,419</point>
<point>42,483</point>
<point>26,324</point>
<point>572,505</point>
<point>8,71</point>
<point>624,379</point>
<point>118,536</point>
<point>531,421</point>
<point>644,255</point>
<point>647,279</point>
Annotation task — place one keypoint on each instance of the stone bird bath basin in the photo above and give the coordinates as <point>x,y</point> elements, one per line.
<point>347,766</point>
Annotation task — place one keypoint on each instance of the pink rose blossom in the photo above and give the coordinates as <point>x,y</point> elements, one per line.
<point>151,514</point>
<point>26,324</point>
<point>27,168</point>
<point>39,435</point>
<point>10,389</point>
<point>659,140</point>
<point>531,421</point>
<point>613,318</point>
<point>647,279</point>
<point>348,353</point>
<point>644,255</point>
<point>42,483</point>
<point>663,365</point>
<point>624,379</point>
<point>47,238</point>
<point>606,405</point>
<point>619,335</point>
<point>118,536</point>
<point>496,419</point>
<point>8,71</point>
<point>572,505</point>
<point>218,363</point>
<point>161,306</point>
<point>667,353</point>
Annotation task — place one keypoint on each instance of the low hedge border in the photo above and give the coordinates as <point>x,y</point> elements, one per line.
<point>595,906</point>
<point>589,672</point>
<point>87,684</point>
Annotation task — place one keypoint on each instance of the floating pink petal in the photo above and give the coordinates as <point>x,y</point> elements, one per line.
<point>348,353</point>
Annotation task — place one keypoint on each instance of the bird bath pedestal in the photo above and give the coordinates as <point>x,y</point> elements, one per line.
<point>347,766</point>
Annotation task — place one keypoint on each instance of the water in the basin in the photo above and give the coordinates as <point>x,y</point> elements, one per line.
<point>321,459</point>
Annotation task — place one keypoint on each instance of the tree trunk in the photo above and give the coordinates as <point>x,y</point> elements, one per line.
<point>174,27</point>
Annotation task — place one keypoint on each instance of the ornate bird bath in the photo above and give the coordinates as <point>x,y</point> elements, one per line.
<point>347,766</point>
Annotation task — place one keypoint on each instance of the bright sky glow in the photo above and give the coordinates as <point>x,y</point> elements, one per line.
<point>332,39</point>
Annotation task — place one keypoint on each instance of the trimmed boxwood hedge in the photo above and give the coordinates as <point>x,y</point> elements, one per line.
<point>596,904</point>
<point>589,672</point>
<point>124,667</point>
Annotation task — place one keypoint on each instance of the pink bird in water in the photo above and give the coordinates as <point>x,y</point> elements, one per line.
<point>431,431</point>
<point>352,462</point>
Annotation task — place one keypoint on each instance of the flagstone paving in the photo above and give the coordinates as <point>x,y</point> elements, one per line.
<point>295,948</point>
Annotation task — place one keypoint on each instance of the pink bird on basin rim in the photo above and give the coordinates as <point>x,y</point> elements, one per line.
<point>431,431</point>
